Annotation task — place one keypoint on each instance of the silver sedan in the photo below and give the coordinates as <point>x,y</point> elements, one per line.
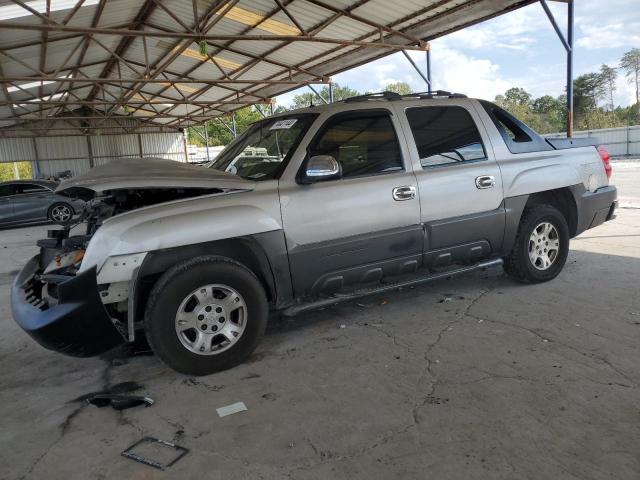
<point>24,202</point>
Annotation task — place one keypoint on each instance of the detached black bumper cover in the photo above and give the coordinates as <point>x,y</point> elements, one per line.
<point>77,324</point>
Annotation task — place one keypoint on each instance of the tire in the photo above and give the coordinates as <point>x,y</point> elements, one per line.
<point>60,213</point>
<point>533,268</point>
<point>193,299</point>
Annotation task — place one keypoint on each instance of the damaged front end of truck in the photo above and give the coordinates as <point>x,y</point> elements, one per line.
<point>67,297</point>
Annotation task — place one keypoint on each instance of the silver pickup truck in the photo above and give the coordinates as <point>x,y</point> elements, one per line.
<point>306,209</point>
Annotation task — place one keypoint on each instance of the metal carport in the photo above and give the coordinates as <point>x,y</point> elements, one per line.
<point>95,68</point>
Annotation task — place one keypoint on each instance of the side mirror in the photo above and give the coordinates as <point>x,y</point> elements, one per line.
<point>322,167</point>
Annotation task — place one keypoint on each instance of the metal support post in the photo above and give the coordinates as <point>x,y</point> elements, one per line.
<point>330,92</point>
<point>206,140</point>
<point>413,64</point>
<point>570,70</point>
<point>429,70</point>
<point>36,157</point>
<point>317,94</point>
<point>567,43</point>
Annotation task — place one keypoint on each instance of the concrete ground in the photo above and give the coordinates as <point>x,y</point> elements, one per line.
<point>473,378</point>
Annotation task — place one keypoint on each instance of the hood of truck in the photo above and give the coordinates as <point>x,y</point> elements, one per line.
<point>142,173</point>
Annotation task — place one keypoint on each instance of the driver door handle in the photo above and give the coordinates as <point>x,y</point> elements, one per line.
<point>485,181</point>
<point>406,192</point>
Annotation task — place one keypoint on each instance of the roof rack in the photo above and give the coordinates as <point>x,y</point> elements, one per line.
<point>374,96</point>
<point>390,96</point>
<point>435,94</point>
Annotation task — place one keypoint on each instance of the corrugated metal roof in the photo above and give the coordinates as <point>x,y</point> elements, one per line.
<point>272,46</point>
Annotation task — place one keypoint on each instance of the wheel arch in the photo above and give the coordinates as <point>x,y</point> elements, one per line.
<point>561,198</point>
<point>264,254</point>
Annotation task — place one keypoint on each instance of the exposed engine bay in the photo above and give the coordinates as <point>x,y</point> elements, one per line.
<point>62,252</point>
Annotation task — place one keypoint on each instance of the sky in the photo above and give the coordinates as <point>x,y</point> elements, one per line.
<point>519,49</point>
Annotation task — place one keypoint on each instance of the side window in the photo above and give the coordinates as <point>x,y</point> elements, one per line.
<point>445,136</point>
<point>30,188</point>
<point>365,143</point>
<point>518,137</point>
<point>6,190</point>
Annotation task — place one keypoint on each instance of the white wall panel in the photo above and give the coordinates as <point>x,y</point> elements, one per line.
<point>16,149</point>
<point>619,142</point>
<point>59,154</point>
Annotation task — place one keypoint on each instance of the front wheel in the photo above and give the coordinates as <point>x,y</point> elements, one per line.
<point>205,315</point>
<point>541,246</point>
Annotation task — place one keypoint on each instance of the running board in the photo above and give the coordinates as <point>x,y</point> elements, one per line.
<point>339,298</point>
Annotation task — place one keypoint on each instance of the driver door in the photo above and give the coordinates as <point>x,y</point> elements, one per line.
<point>6,204</point>
<point>360,228</point>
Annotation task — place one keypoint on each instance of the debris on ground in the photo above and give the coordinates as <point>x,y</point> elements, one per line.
<point>154,452</point>
<point>117,389</point>
<point>343,326</point>
<point>231,409</point>
<point>384,302</point>
<point>119,402</point>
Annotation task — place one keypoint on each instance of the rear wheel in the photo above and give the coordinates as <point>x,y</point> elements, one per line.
<point>205,315</point>
<point>60,213</point>
<point>541,247</point>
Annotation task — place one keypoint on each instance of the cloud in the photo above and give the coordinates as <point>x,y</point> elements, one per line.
<point>611,35</point>
<point>456,71</point>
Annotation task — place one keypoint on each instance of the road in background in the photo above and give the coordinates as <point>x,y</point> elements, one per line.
<point>626,176</point>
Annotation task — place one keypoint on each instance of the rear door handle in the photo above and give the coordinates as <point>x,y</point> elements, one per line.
<point>406,192</point>
<point>485,181</point>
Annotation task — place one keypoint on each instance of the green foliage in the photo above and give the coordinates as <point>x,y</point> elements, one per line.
<point>219,134</point>
<point>7,171</point>
<point>402,88</point>
<point>306,99</point>
<point>630,65</point>
<point>593,103</point>
<point>204,48</point>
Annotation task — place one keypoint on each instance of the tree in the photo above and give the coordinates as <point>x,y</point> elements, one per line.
<point>306,99</point>
<point>546,104</point>
<point>517,96</point>
<point>218,133</point>
<point>608,76</point>
<point>401,88</point>
<point>587,90</point>
<point>630,64</point>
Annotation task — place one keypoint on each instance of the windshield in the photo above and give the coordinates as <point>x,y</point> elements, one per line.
<point>262,151</point>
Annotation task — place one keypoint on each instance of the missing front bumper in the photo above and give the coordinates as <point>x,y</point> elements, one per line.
<point>77,324</point>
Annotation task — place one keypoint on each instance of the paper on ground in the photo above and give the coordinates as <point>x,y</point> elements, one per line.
<point>231,409</point>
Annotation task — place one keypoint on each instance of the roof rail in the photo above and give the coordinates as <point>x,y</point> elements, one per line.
<point>374,96</point>
<point>435,94</point>
<point>396,96</point>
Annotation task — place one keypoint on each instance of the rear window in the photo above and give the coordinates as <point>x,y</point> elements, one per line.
<point>445,136</point>
<point>518,137</point>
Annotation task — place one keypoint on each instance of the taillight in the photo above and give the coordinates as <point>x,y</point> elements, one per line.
<point>606,159</point>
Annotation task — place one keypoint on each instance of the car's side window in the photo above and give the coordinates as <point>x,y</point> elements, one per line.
<point>31,188</point>
<point>445,136</point>
<point>364,143</point>
<point>6,190</point>
<point>518,137</point>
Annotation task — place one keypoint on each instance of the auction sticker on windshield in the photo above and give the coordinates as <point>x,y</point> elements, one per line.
<point>283,124</point>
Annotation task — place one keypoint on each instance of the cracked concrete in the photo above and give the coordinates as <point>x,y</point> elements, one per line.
<point>504,381</point>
